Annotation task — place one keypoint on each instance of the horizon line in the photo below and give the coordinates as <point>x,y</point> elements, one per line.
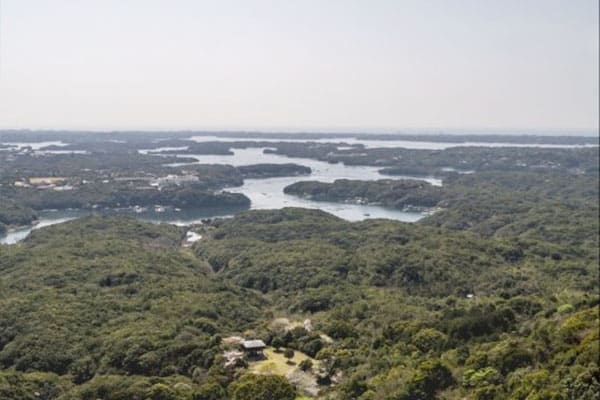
<point>331,130</point>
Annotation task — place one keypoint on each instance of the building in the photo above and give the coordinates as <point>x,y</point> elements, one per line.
<point>254,348</point>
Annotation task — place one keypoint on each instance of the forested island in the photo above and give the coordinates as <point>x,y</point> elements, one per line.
<point>258,171</point>
<point>402,194</point>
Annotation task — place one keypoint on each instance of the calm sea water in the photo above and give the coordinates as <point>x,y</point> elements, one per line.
<point>268,193</point>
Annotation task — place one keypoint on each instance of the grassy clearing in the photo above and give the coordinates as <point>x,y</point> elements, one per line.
<point>276,363</point>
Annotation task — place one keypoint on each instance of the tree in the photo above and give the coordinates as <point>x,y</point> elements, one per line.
<point>340,330</point>
<point>312,347</point>
<point>277,342</point>
<point>429,339</point>
<point>161,392</point>
<point>430,377</point>
<point>289,354</point>
<point>210,391</point>
<point>305,365</point>
<point>263,387</point>
<point>82,370</point>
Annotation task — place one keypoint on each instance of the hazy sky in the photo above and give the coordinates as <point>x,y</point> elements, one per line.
<point>298,64</point>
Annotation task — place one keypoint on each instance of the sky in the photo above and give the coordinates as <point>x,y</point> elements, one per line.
<point>304,65</point>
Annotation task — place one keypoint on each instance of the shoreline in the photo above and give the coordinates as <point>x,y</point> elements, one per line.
<point>15,228</point>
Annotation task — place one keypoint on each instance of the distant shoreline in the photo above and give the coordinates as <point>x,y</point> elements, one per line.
<point>534,137</point>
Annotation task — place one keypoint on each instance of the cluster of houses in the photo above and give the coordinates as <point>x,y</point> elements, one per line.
<point>172,180</point>
<point>54,183</point>
<point>59,183</point>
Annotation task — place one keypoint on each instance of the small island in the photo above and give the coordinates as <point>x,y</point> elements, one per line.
<point>261,171</point>
<point>401,194</point>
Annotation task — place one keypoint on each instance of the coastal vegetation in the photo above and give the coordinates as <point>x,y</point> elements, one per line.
<point>493,296</point>
<point>556,207</point>
<point>451,161</point>
<point>403,193</point>
<point>261,171</point>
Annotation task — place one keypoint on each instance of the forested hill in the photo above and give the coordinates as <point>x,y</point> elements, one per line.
<point>112,308</point>
<point>103,307</point>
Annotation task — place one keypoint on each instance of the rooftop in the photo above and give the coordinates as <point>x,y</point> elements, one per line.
<point>253,344</point>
